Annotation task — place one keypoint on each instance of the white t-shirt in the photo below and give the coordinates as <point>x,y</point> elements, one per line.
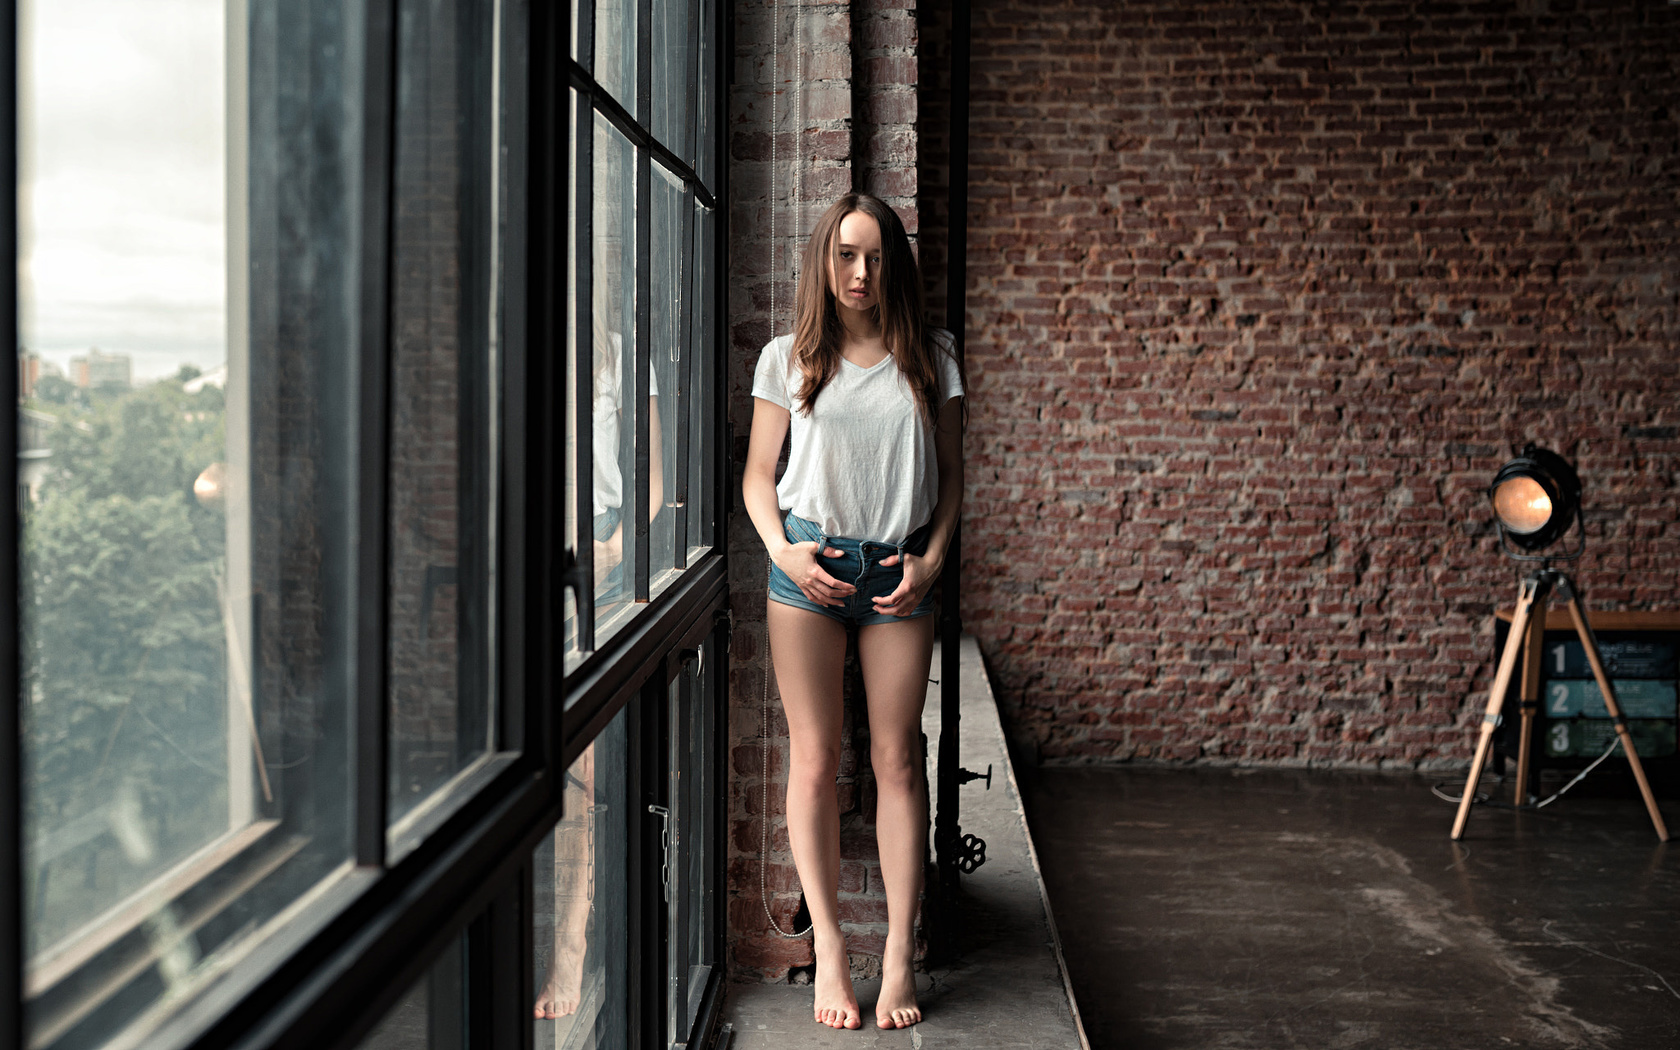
<point>863,464</point>
<point>607,419</point>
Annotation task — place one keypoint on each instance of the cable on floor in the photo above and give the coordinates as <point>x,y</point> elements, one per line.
<point>1481,798</point>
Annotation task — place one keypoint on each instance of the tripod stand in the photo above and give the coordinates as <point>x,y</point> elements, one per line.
<point>1525,623</point>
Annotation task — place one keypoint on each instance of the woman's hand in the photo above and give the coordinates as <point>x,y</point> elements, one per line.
<point>799,562</point>
<point>608,553</point>
<point>920,572</point>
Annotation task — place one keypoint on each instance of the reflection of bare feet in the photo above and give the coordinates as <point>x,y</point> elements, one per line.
<point>560,993</point>
<point>896,1007</point>
<point>836,1003</point>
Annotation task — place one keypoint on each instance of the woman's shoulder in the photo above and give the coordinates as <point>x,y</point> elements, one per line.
<point>777,352</point>
<point>943,340</point>
<point>778,349</point>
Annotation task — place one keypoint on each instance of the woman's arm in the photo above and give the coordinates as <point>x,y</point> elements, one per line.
<point>610,551</point>
<point>758,492</point>
<point>920,571</point>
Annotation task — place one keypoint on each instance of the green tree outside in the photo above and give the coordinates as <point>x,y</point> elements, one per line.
<point>124,705</point>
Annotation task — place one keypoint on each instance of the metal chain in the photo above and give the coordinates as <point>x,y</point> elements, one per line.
<point>798,126</point>
<point>775,82</point>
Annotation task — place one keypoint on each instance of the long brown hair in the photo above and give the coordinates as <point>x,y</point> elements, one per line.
<point>817,330</point>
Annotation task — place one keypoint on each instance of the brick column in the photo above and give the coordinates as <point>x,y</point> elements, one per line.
<point>850,123</point>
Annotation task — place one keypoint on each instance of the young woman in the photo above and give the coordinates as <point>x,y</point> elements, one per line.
<point>857,531</point>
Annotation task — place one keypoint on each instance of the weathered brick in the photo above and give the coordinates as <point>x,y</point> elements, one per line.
<point>1255,311</point>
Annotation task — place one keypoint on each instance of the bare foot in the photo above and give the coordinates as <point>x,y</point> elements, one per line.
<point>564,987</point>
<point>836,1003</point>
<point>896,1007</point>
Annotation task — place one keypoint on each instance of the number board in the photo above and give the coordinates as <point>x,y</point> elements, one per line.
<point>1588,737</point>
<point>1638,698</point>
<point>1642,658</point>
<point>1642,670</point>
<point>1623,657</point>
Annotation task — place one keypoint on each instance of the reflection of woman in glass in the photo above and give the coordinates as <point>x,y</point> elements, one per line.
<point>574,892</point>
<point>613,444</point>
<point>857,531</point>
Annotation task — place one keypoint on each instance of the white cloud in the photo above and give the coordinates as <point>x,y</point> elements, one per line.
<point>122,158</point>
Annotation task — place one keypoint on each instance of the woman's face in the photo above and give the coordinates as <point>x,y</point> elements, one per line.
<point>854,267</point>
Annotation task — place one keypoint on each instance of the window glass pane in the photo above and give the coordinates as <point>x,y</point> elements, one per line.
<point>612,374</point>
<point>189,580</point>
<point>615,50</point>
<point>671,58</point>
<point>432,1014</point>
<point>702,504</point>
<point>667,301</point>
<point>581,903</point>
<point>693,783</point>
<point>444,400</point>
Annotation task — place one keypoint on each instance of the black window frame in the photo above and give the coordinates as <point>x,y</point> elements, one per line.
<point>383,927</point>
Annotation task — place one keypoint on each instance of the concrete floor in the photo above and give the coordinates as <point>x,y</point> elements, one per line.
<point>1006,989</point>
<point>1273,909</point>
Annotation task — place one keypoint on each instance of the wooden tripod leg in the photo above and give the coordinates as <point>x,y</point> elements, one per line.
<point>1496,698</point>
<point>1532,645</point>
<point>1590,644</point>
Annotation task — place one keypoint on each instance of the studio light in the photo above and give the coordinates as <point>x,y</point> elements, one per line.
<point>1536,498</point>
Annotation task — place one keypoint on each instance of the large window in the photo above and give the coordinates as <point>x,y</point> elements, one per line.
<point>641,340</point>
<point>369,661</point>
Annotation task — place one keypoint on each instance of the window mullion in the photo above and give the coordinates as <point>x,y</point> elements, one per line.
<point>368,694</point>
<point>583,435</point>
<point>620,118</point>
<point>11,744</point>
<point>585,36</point>
<point>637,501</point>
<point>644,303</point>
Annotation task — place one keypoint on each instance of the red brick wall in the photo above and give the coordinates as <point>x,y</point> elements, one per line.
<point>852,125</point>
<point>1259,297</point>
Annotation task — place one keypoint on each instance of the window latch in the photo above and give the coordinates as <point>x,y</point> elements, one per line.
<point>664,850</point>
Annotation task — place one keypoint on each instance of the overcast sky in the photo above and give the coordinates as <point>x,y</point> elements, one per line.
<point>122,181</point>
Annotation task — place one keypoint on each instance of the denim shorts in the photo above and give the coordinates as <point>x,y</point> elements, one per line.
<point>612,587</point>
<point>859,564</point>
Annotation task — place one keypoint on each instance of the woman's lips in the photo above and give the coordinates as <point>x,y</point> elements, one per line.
<point>859,293</point>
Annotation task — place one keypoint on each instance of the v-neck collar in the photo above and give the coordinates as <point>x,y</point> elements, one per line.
<point>866,368</point>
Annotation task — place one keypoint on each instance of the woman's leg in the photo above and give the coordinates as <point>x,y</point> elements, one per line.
<point>809,651</point>
<point>574,847</point>
<point>895,660</point>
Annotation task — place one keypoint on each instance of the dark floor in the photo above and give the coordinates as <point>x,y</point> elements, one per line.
<point>1267,909</point>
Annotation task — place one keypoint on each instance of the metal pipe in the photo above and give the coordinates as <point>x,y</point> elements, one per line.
<point>946,830</point>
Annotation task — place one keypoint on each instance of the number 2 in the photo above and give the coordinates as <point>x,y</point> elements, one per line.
<point>1560,699</point>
